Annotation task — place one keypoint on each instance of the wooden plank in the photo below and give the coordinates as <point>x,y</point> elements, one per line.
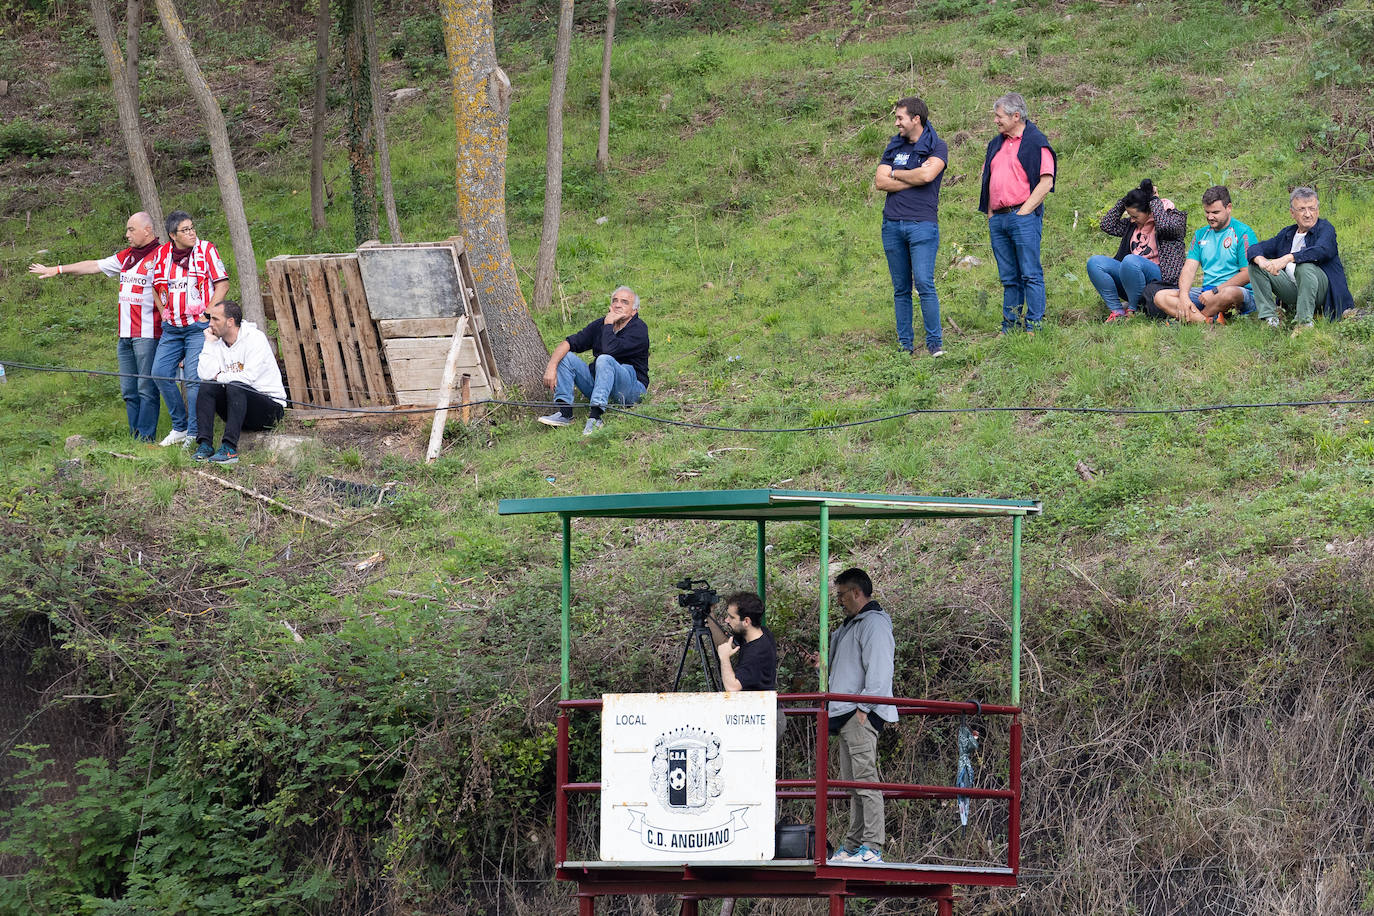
<point>336,380</point>
<point>287,333</point>
<point>306,333</point>
<point>392,328</point>
<point>355,380</point>
<point>474,308</point>
<point>426,397</point>
<point>369,346</point>
<point>428,347</point>
<point>450,378</point>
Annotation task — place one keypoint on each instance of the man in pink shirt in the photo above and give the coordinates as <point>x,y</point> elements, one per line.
<point>1018,172</point>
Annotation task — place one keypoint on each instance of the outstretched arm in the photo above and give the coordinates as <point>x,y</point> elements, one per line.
<point>80,268</point>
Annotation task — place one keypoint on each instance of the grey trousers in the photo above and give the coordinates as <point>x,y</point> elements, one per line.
<point>859,762</point>
<point>1303,295</point>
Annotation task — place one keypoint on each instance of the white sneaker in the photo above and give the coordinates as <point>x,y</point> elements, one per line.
<point>175,437</point>
<point>938,352</point>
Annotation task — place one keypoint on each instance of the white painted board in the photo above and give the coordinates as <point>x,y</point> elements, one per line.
<point>688,777</point>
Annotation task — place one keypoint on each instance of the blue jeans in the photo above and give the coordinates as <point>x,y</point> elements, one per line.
<point>1016,246</point>
<point>180,345</point>
<point>140,394</point>
<point>609,381</point>
<point>1245,308</point>
<point>1123,281</point>
<point>911,248</point>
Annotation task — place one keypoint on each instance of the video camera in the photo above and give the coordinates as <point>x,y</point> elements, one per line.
<point>698,597</point>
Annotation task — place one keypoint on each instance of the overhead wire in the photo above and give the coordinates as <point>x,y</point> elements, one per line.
<point>711,427</point>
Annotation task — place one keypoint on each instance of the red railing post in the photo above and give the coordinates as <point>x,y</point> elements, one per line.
<point>1014,812</point>
<point>560,817</point>
<point>823,783</point>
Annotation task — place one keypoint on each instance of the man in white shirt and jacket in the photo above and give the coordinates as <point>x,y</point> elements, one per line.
<point>240,381</point>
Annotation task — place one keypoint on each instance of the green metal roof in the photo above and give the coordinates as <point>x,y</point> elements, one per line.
<point>767,505</point>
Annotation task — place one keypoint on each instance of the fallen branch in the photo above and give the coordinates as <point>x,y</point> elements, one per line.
<point>247,491</point>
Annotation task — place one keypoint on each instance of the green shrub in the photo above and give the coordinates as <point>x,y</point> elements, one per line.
<point>22,138</point>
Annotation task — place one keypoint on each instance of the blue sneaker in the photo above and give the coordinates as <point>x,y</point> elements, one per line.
<point>203,451</point>
<point>225,455</point>
<point>593,424</point>
<point>864,855</point>
<point>842,855</point>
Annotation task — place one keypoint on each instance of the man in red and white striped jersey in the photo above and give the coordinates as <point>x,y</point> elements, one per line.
<point>188,278</point>
<point>140,326</point>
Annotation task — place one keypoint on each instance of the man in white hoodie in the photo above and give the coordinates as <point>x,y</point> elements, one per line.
<point>240,381</point>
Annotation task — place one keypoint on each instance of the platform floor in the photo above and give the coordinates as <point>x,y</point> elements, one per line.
<point>784,865</point>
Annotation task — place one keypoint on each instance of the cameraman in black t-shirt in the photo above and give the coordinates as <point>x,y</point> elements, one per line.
<point>756,667</point>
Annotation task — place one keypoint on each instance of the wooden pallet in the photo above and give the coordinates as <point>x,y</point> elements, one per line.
<point>329,345</point>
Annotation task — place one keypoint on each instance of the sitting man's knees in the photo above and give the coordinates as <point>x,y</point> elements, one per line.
<point>606,363</point>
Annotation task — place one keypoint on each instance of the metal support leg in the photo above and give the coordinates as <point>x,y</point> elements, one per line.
<point>689,906</point>
<point>836,905</point>
<point>586,905</point>
<point>944,906</point>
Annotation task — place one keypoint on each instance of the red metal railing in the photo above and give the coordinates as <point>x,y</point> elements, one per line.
<point>822,786</point>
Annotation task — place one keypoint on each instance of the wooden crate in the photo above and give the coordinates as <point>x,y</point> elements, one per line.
<point>329,344</point>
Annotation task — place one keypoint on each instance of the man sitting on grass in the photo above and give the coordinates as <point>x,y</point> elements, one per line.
<point>1219,249</point>
<point>240,381</point>
<point>1300,267</point>
<point>620,365</point>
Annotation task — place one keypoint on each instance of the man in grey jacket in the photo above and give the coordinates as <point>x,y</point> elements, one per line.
<point>861,662</point>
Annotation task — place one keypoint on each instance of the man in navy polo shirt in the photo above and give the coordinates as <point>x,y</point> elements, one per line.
<point>912,167</point>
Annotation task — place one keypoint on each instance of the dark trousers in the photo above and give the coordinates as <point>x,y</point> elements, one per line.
<point>238,405</point>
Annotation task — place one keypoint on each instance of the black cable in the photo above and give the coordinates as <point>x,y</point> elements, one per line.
<point>915,411</point>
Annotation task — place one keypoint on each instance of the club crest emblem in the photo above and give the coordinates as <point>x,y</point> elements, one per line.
<point>686,770</point>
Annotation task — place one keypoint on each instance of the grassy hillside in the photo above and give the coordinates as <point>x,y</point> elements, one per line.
<point>1199,636</point>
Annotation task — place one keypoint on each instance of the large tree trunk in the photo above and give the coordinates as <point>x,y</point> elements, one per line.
<point>362,170</point>
<point>553,161</point>
<point>127,106</point>
<point>481,108</point>
<point>374,72</point>
<point>317,117</point>
<point>250,296</point>
<point>603,138</point>
<point>133,25</point>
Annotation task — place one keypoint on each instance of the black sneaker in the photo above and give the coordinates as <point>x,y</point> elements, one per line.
<point>225,455</point>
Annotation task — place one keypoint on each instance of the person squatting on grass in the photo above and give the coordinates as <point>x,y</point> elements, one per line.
<point>188,278</point>
<point>1300,267</point>
<point>140,326</point>
<point>620,363</point>
<point>1151,249</point>
<point>910,171</point>
<point>862,659</point>
<point>1018,172</point>
<point>240,381</point>
<point>1219,249</point>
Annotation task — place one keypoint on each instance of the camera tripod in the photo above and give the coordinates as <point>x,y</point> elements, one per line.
<point>700,637</point>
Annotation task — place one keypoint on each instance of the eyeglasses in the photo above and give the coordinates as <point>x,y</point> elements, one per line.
<point>186,230</point>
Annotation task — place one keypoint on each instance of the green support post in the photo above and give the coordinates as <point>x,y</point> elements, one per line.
<point>762,582</point>
<point>1016,610</point>
<point>823,640</point>
<point>566,603</point>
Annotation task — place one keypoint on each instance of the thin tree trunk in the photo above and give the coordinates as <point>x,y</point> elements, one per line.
<point>132,27</point>
<point>374,73</point>
<point>127,107</point>
<point>481,109</point>
<point>317,117</point>
<point>250,296</point>
<point>553,161</point>
<point>362,169</point>
<point>603,138</point>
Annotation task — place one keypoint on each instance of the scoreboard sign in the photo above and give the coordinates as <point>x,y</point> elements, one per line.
<point>688,777</point>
